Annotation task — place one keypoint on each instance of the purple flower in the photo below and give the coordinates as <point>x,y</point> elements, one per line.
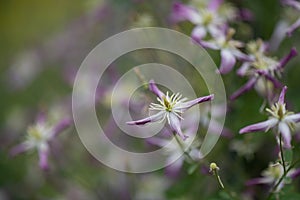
<point>272,175</point>
<point>293,3</point>
<point>170,108</point>
<point>280,118</point>
<point>207,20</point>
<point>262,70</point>
<point>38,137</point>
<point>229,50</point>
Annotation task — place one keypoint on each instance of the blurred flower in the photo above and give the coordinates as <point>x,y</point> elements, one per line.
<point>272,176</point>
<point>278,35</point>
<point>24,69</point>
<point>245,148</point>
<point>229,50</point>
<point>170,108</point>
<point>294,4</point>
<point>261,70</point>
<point>280,118</point>
<point>207,20</point>
<point>38,137</point>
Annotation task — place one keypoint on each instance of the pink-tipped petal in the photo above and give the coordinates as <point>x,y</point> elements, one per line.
<point>245,88</point>
<point>176,126</point>
<point>186,105</point>
<point>198,33</point>
<point>294,173</point>
<point>43,158</point>
<point>157,141</point>
<point>173,169</point>
<point>286,134</point>
<point>153,88</point>
<point>293,3</point>
<point>262,126</point>
<point>241,56</point>
<point>20,148</point>
<point>214,5</point>
<point>153,118</point>
<point>209,45</point>
<point>227,61</point>
<point>182,12</point>
<point>293,118</point>
<point>243,69</point>
<point>282,95</point>
<point>276,83</point>
<point>288,57</point>
<point>256,181</point>
<point>292,28</point>
<point>62,125</point>
<point>278,35</point>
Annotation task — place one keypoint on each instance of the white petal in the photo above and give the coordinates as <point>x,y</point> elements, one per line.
<point>243,69</point>
<point>293,118</point>
<point>198,33</point>
<point>262,126</point>
<point>174,167</point>
<point>176,125</point>
<point>227,61</point>
<point>286,134</point>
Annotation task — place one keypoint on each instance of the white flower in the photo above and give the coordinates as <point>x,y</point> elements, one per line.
<point>280,118</point>
<point>170,108</point>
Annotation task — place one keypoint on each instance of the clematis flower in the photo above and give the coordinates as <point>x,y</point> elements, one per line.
<point>229,49</point>
<point>38,137</point>
<point>261,70</point>
<point>170,108</point>
<point>272,175</point>
<point>207,20</point>
<point>280,118</point>
<point>294,4</point>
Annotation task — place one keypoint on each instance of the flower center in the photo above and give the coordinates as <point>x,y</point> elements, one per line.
<point>263,62</point>
<point>167,105</point>
<point>207,17</point>
<point>34,133</point>
<point>278,111</point>
<point>276,171</point>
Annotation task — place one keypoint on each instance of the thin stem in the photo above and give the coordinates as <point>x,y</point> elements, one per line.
<point>281,153</point>
<point>282,178</point>
<point>182,148</point>
<point>219,179</point>
<point>214,169</point>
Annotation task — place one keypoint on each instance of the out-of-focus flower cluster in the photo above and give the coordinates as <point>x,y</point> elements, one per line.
<point>249,66</point>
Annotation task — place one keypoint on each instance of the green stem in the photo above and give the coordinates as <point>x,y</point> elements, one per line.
<point>281,153</point>
<point>219,179</point>
<point>281,179</point>
<point>229,193</point>
<point>182,148</point>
